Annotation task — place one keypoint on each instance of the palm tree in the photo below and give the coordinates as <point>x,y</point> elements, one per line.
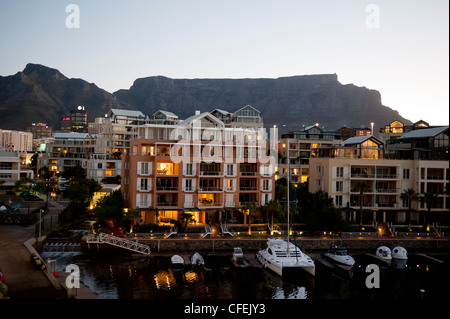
<point>361,186</point>
<point>410,195</point>
<point>272,207</point>
<point>430,199</point>
<point>249,209</point>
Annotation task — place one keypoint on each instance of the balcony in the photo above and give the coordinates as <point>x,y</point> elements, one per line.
<point>211,173</point>
<point>166,188</point>
<point>248,188</point>
<point>210,189</point>
<point>205,202</point>
<point>166,204</point>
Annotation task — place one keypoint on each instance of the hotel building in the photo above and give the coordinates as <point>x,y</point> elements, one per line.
<point>200,165</point>
<point>418,160</point>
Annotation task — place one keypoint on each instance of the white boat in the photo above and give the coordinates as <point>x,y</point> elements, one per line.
<point>177,260</point>
<point>281,256</point>
<point>338,255</point>
<point>197,259</point>
<point>238,258</point>
<point>399,253</point>
<point>384,253</point>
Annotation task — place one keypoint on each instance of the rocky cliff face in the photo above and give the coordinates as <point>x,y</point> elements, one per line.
<point>288,102</point>
<point>42,94</point>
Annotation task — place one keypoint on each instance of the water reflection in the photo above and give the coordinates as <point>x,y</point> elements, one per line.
<point>125,277</point>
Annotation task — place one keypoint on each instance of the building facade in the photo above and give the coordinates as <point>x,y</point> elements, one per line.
<point>198,166</point>
<point>388,173</point>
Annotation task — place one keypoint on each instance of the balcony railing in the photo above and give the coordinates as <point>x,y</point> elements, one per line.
<point>249,173</point>
<point>388,176</point>
<point>209,203</point>
<point>210,189</point>
<point>166,204</point>
<point>166,188</point>
<point>211,173</point>
<point>248,188</point>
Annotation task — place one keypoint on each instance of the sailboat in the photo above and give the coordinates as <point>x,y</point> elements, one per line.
<point>281,255</point>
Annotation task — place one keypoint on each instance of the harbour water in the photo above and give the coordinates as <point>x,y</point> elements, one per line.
<point>121,275</point>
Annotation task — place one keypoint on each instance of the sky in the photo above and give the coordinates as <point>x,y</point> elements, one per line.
<point>400,48</point>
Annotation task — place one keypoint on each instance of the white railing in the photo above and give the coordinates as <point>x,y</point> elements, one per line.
<point>124,243</point>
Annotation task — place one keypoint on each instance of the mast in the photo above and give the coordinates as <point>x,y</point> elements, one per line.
<point>288,186</point>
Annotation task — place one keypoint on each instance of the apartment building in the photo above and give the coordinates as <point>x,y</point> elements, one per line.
<point>299,147</point>
<point>418,161</point>
<point>11,170</point>
<point>199,166</point>
<point>16,140</point>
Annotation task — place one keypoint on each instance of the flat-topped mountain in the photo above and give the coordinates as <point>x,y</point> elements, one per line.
<point>42,94</point>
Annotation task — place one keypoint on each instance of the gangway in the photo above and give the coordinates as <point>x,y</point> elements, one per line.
<point>119,242</point>
<point>225,230</point>
<point>173,231</point>
<point>207,232</point>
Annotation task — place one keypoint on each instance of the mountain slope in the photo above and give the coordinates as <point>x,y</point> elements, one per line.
<point>41,94</point>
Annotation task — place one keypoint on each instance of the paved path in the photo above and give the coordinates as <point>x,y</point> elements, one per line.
<point>23,279</point>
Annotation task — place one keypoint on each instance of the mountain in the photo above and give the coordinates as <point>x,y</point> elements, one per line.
<point>43,94</point>
<point>288,102</point>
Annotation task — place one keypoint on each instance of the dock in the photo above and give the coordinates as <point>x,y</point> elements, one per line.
<point>430,258</point>
<point>323,261</point>
<point>387,262</point>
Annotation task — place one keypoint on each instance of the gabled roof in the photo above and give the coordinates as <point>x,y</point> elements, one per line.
<point>247,106</point>
<point>71,135</point>
<point>166,113</point>
<point>221,111</point>
<point>131,113</point>
<point>198,117</point>
<point>360,140</point>
<point>423,133</point>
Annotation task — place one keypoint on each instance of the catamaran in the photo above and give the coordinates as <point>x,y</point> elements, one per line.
<point>281,255</point>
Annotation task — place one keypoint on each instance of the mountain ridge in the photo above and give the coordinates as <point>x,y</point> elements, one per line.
<point>43,94</point>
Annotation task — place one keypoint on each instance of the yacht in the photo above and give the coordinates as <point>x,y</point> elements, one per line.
<point>177,261</point>
<point>384,253</point>
<point>338,255</point>
<point>197,259</point>
<point>281,256</point>
<point>238,258</point>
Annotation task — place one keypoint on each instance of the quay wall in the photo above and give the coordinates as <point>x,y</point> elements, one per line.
<point>305,244</point>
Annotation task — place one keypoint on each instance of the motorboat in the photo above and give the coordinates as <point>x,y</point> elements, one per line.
<point>197,259</point>
<point>282,256</point>
<point>238,254</point>
<point>384,253</point>
<point>338,255</point>
<point>177,261</point>
<point>399,253</point>
<point>238,258</point>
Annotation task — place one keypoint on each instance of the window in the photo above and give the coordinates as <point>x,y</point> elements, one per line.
<point>339,186</point>
<point>338,200</point>
<point>188,185</point>
<point>143,184</point>
<point>231,170</point>
<point>406,173</point>
<point>144,168</point>
<point>339,172</point>
<point>188,169</point>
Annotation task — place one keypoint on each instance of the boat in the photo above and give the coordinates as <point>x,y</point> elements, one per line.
<point>399,257</point>
<point>338,256</point>
<point>177,261</point>
<point>238,258</point>
<point>282,256</point>
<point>399,253</point>
<point>197,259</point>
<point>384,253</point>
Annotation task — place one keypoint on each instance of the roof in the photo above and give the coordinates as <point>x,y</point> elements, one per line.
<point>127,113</point>
<point>247,106</point>
<point>423,133</point>
<point>360,139</point>
<point>71,135</point>
<point>221,111</point>
<point>197,117</point>
<point>166,113</point>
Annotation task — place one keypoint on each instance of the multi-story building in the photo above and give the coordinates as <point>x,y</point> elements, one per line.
<point>346,132</point>
<point>298,147</point>
<point>40,130</point>
<point>419,161</point>
<point>198,166</point>
<point>77,121</point>
<point>11,170</point>
<point>16,140</point>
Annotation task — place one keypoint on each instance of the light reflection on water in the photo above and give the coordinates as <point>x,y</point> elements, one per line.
<point>126,277</point>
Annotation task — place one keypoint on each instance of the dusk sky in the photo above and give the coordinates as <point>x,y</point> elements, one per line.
<point>400,48</point>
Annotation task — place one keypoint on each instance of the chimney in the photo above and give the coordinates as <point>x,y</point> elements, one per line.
<point>197,112</point>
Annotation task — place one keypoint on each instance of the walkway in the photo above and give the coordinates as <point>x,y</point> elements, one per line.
<point>23,279</point>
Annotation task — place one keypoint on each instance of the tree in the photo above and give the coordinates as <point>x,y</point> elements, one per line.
<point>249,209</point>
<point>362,187</point>
<point>74,172</point>
<point>109,207</point>
<point>410,196</point>
<point>430,199</point>
<point>185,219</point>
<point>272,207</point>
